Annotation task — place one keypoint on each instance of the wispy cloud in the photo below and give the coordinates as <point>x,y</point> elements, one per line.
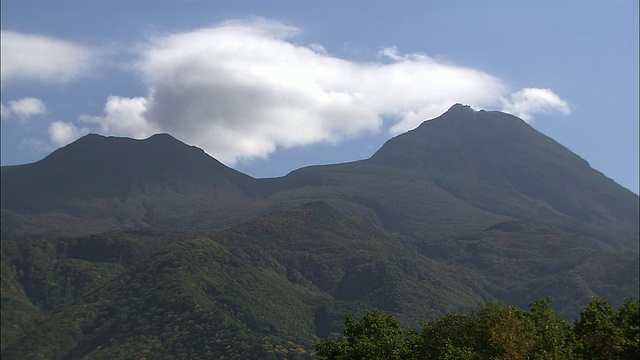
<point>61,132</point>
<point>41,58</point>
<point>530,101</point>
<point>24,108</point>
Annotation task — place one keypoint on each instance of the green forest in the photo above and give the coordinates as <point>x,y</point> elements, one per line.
<point>494,331</point>
<point>115,248</point>
<point>280,287</point>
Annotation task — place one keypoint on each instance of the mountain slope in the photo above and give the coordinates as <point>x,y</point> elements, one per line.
<point>470,206</point>
<point>526,262</point>
<point>458,173</point>
<point>267,288</point>
<point>270,287</point>
<point>497,162</point>
<point>403,202</point>
<point>102,183</point>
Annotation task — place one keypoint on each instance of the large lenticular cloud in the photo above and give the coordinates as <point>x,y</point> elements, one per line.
<point>42,58</point>
<point>243,89</point>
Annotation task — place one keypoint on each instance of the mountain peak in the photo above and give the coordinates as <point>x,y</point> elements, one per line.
<point>96,150</point>
<point>496,161</point>
<point>93,137</point>
<point>109,167</point>
<point>460,107</point>
<point>462,129</point>
<point>163,137</point>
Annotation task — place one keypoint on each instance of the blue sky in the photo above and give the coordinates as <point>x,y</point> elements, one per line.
<point>271,86</point>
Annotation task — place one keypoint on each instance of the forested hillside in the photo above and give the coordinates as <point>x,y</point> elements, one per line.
<point>120,248</point>
<point>268,288</point>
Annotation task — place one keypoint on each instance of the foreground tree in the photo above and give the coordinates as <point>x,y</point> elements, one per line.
<point>495,331</point>
<point>628,319</point>
<point>606,334</point>
<point>376,336</point>
<point>453,336</point>
<point>554,338</point>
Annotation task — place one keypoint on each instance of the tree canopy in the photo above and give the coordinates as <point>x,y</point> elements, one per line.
<point>494,331</point>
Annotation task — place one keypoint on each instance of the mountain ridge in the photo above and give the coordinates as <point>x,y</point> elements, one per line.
<point>497,155</point>
<point>113,246</point>
<point>467,164</point>
<point>113,182</point>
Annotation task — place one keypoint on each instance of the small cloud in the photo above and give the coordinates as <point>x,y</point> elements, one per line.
<point>62,133</point>
<point>24,108</point>
<point>123,116</point>
<point>264,26</point>
<point>390,52</point>
<point>42,58</point>
<point>530,101</point>
<point>393,54</point>
<point>317,48</point>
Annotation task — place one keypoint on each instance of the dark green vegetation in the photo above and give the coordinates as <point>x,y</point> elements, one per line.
<point>199,260</point>
<point>494,331</point>
<point>265,289</point>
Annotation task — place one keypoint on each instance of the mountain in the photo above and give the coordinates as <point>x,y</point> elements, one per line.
<point>460,172</point>
<point>104,183</point>
<point>119,246</point>
<point>497,162</point>
<point>467,170</point>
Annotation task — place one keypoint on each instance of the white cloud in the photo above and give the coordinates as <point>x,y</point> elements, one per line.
<point>61,133</point>
<point>41,58</point>
<point>529,101</point>
<point>245,88</point>
<point>24,108</point>
<point>392,53</point>
<point>124,117</point>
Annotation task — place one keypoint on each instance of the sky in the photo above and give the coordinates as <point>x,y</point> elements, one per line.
<point>267,87</point>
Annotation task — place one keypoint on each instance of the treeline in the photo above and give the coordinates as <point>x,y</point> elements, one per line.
<point>494,331</point>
